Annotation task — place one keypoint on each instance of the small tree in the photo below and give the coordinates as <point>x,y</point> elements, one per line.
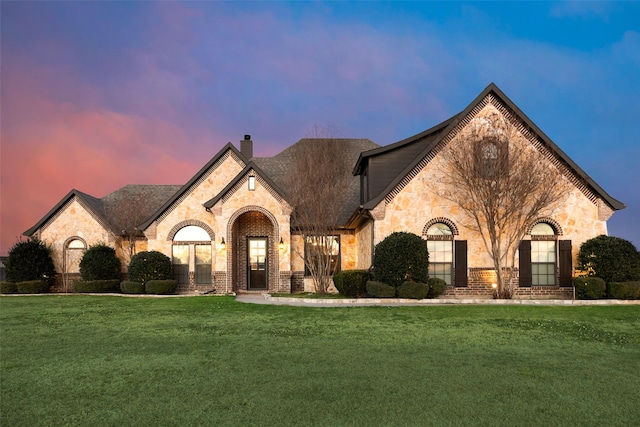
<point>610,258</point>
<point>401,257</point>
<point>501,183</point>
<point>30,260</point>
<point>151,265</point>
<point>100,263</point>
<point>317,183</point>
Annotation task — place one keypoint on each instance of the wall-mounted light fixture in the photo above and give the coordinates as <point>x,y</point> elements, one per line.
<point>252,183</point>
<point>281,245</point>
<point>223,244</point>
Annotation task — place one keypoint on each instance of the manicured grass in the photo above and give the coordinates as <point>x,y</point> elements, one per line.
<point>86,360</point>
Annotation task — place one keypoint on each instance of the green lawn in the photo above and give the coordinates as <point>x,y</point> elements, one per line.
<point>93,361</point>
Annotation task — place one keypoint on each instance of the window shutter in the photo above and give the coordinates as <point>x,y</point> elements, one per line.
<point>565,262</point>
<point>460,274</point>
<point>524,255</point>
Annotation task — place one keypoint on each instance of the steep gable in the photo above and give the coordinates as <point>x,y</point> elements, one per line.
<point>434,139</point>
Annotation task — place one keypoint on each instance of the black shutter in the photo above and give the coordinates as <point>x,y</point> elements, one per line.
<point>565,262</point>
<point>524,255</point>
<point>460,274</point>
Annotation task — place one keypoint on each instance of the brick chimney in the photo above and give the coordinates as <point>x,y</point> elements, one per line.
<point>246,147</point>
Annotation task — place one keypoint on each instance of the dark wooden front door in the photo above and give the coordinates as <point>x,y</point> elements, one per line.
<point>257,251</point>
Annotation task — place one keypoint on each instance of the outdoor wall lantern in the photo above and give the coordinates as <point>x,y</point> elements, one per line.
<point>281,245</point>
<point>222,243</point>
<point>252,183</point>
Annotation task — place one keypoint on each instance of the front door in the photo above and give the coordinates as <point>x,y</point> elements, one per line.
<point>257,255</point>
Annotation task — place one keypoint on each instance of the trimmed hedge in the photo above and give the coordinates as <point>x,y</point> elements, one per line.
<point>611,258</point>
<point>152,265</point>
<point>401,257</point>
<point>100,262</point>
<point>128,287</point>
<point>380,290</point>
<point>413,290</point>
<point>30,260</point>
<point>351,283</point>
<point>161,287</point>
<point>96,286</point>
<point>589,287</point>
<point>8,288</point>
<point>623,290</point>
<point>33,287</point>
<point>436,287</point>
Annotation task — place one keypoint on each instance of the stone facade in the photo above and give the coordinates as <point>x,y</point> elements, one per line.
<point>232,199</point>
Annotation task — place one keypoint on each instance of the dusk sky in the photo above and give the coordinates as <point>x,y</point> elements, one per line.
<point>97,95</point>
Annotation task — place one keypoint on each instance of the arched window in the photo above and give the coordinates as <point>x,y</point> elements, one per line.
<point>543,255</point>
<point>440,246</point>
<point>192,243</point>
<point>74,250</point>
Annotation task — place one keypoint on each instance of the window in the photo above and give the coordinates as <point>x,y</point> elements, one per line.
<point>440,246</point>
<point>192,243</point>
<point>491,157</point>
<point>252,183</point>
<point>74,252</point>
<point>543,255</point>
<point>316,247</point>
<point>203,264</point>
<point>180,261</point>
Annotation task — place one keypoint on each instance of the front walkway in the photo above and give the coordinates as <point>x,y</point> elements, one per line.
<point>364,302</point>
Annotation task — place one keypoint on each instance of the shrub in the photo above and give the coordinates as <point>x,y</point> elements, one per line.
<point>413,290</point>
<point>436,287</point>
<point>151,265</point>
<point>33,287</point>
<point>161,287</point>
<point>623,290</point>
<point>30,260</point>
<point>401,257</point>
<point>380,290</point>
<point>8,288</point>
<point>96,286</point>
<point>351,283</point>
<point>611,258</point>
<point>128,287</point>
<point>99,262</point>
<point>589,287</point>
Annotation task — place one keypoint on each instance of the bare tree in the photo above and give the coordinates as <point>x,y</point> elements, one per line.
<point>317,183</point>
<point>502,184</point>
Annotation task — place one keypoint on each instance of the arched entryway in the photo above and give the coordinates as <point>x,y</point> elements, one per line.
<point>254,252</point>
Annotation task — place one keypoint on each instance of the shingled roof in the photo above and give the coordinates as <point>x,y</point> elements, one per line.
<point>402,157</point>
<point>277,167</point>
<point>120,210</point>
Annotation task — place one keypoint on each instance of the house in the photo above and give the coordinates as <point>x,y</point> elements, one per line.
<point>229,228</point>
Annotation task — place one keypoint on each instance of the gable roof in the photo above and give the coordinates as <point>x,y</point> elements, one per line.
<point>251,166</point>
<point>436,134</point>
<point>228,148</point>
<point>121,209</point>
<point>277,168</point>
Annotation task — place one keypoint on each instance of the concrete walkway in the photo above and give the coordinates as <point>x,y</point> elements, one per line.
<point>368,302</point>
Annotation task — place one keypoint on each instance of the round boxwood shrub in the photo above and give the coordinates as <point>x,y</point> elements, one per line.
<point>589,287</point>
<point>401,257</point>
<point>437,287</point>
<point>413,290</point>
<point>151,265</point>
<point>611,258</point>
<point>128,287</point>
<point>161,287</point>
<point>30,260</point>
<point>380,290</point>
<point>351,283</point>
<point>33,287</point>
<point>96,286</point>
<point>8,288</point>
<point>100,262</point>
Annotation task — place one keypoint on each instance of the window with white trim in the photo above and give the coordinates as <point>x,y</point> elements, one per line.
<point>192,243</point>
<point>543,255</point>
